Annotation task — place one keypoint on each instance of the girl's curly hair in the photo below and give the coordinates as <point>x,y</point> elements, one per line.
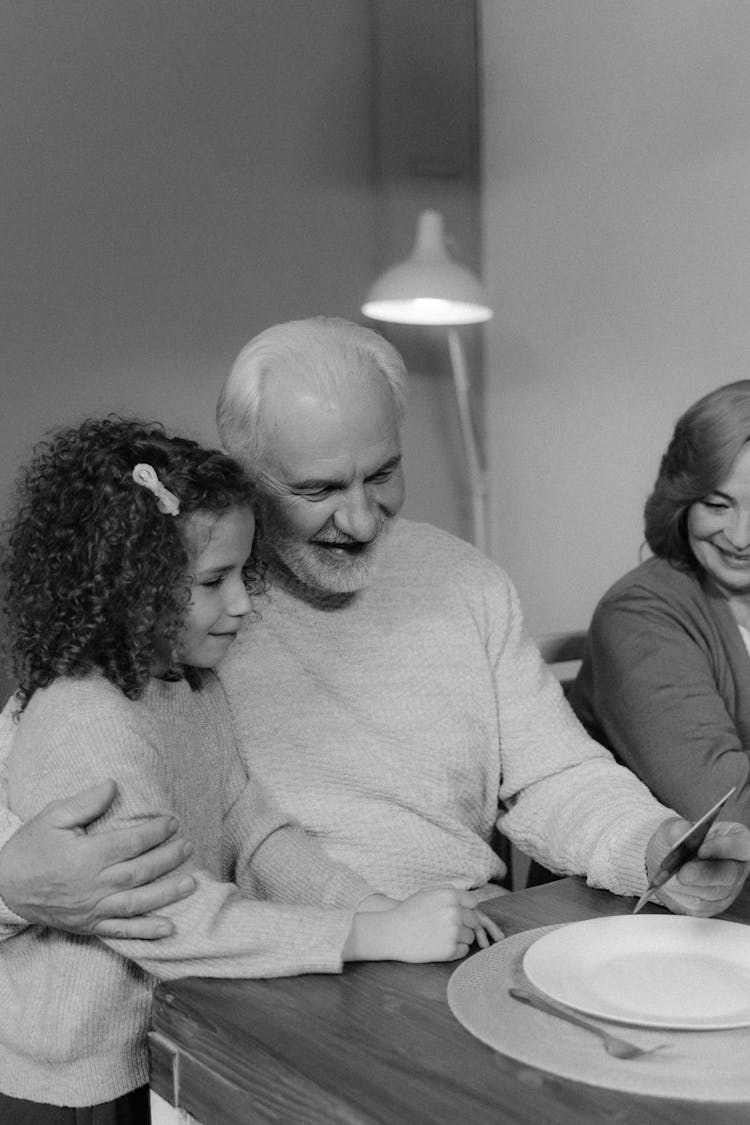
<point>91,566</point>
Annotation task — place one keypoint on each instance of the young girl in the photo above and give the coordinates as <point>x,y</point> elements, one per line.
<point>126,573</point>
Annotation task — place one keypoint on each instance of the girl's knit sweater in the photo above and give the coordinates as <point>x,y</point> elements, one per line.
<point>74,1011</point>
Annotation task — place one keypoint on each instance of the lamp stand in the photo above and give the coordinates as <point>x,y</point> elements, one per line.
<point>476,475</point>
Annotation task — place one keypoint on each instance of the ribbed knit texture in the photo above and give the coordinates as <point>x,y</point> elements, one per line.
<point>9,920</point>
<point>74,1011</point>
<point>421,703</point>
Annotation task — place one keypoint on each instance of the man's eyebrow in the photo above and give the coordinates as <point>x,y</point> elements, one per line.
<point>316,484</point>
<point>391,463</point>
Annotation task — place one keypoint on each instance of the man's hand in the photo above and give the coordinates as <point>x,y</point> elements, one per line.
<point>710,883</point>
<point>53,874</point>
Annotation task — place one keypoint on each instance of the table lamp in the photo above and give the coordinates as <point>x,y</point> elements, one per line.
<point>430,288</point>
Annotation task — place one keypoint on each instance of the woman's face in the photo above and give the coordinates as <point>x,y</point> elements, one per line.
<point>719,529</point>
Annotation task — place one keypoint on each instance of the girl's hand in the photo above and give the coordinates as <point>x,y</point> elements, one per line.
<point>487,932</point>
<point>378,902</point>
<point>431,925</point>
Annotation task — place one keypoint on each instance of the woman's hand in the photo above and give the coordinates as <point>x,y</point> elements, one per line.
<point>431,925</point>
<point>708,884</point>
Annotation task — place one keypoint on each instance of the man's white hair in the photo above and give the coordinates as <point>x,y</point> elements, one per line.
<point>327,351</point>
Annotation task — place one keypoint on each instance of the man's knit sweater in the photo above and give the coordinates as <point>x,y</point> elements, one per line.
<point>390,723</point>
<point>74,1011</point>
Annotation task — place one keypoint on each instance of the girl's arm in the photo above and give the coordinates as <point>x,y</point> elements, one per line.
<point>10,922</point>
<point>270,856</point>
<point>218,931</point>
<point>53,874</point>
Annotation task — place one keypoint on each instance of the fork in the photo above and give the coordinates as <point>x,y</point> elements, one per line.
<point>613,1045</point>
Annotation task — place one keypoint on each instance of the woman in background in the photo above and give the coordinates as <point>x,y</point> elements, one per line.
<point>665,682</point>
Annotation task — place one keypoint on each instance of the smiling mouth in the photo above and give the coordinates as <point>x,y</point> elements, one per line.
<point>345,548</point>
<point>732,558</point>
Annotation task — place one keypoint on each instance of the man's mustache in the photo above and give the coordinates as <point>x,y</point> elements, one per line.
<point>348,541</point>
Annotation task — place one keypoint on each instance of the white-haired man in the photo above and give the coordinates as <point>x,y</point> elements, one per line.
<point>386,691</point>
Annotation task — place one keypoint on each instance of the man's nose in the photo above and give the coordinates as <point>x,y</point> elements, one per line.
<point>356,515</point>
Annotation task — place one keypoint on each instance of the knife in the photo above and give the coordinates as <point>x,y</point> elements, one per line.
<point>684,849</point>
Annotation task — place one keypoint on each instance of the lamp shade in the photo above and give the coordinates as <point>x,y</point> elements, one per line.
<point>429,287</point>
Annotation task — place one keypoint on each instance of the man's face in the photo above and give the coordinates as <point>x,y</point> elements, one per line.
<point>331,480</point>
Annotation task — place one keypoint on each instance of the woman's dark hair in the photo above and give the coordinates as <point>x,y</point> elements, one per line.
<point>705,443</point>
<point>91,565</point>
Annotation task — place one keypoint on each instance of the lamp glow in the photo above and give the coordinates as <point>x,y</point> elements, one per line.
<point>425,310</point>
<point>429,288</point>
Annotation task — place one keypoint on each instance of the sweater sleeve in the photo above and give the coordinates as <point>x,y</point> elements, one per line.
<point>270,856</point>
<point>648,687</point>
<point>10,922</point>
<point>564,800</point>
<point>218,932</point>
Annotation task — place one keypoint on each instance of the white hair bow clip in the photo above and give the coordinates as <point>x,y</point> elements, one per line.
<point>167,502</point>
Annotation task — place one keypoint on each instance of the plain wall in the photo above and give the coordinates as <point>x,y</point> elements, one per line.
<point>616,222</point>
<point>426,117</point>
<point>178,175</point>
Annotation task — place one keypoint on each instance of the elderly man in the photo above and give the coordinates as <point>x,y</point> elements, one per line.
<point>386,691</point>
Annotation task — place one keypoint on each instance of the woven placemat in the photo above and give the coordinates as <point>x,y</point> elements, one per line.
<point>705,1066</point>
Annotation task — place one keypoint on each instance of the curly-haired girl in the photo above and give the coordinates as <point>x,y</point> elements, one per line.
<point>127,580</point>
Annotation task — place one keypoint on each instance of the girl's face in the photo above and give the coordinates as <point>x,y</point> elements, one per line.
<point>219,599</point>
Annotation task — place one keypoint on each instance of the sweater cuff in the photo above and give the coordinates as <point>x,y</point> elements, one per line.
<point>629,864</point>
<point>347,890</point>
<point>10,922</point>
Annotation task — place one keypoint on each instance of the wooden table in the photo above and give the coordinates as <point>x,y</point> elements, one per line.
<point>379,1044</point>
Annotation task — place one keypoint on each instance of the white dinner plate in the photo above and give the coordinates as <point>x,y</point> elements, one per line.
<point>652,970</point>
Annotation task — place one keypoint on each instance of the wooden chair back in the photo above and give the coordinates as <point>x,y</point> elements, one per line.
<point>564,653</point>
